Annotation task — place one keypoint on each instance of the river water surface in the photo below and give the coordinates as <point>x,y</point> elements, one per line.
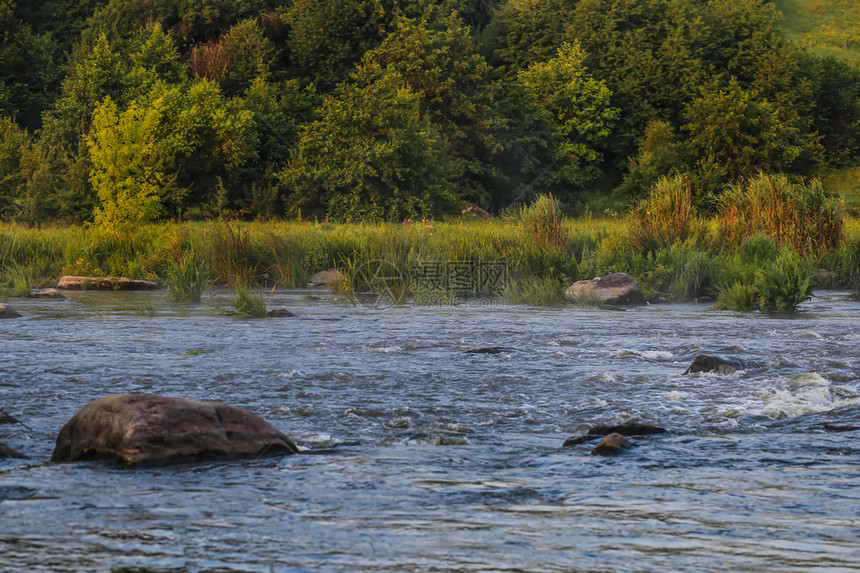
<point>429,458</point>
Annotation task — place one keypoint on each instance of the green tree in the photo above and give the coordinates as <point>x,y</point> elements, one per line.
<point>736,131</point>
<point>572,110</point>
<point>435,58</point>
<point>128,165</point>
<point>14,142</point>
<point>372,156</point>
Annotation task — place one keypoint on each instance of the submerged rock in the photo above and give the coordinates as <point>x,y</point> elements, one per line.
<point>47,293</point>
<point>615,289</point>
<point>489,350</point>
<point>706,363</point>
<point>135,429</point>
<point>280,313</point>
<point>7,452</point>
<point>105,283</point>
<point>576,440</point>
<point>628,428</point>
<point>325,278</point>
<point>7,311</point>
<point>611,445</point>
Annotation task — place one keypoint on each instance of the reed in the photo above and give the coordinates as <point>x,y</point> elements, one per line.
<point>249,303</point>
<point>187,279</point>
<point>664,217</point>
<point>795,214</point>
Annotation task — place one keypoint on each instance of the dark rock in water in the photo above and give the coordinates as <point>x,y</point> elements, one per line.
<point>104,283</point>
<point>610,307</point>
<point>576,440</point>
<point>611,445</point>
<point>280,313</point>
<point>135,429</point>
<point>46,293</point>
<point>489,350</point>
<point>325,278</point>
<point>628,428</point>
<point>705,363</point>
<point>7,452</point>
<point>7,311</point>
<point>614,289</point>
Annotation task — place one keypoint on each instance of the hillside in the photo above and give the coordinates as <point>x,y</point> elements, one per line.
<point>825,27</point>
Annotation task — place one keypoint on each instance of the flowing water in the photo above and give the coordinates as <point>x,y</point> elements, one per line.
<point>429,458</point>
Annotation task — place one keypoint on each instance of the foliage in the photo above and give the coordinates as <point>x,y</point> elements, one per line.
<point>782,286</point>
<point>573,109</point>
<point>372,156</point>
<point>659,153</point>
<point>798,214</point>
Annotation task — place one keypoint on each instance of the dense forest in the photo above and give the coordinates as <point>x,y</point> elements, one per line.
<point>127,111</point>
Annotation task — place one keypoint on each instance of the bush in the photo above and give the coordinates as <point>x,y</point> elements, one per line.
<point>784,285</point>
<point>778,286</point>
<point>664,217</point>
<point>799,215</point>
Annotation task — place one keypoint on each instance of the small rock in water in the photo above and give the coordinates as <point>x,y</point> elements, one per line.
<point>48,293</point>
<point>611,445</point>
<point>705,363</point>
<point>489,350</point>
<point>280,313</point>
<point>7,452</point>
<point>7,311</point>
<point>611,307</point>
<point>135,429</point>
<point>628,428</point>
<point>576,440</point>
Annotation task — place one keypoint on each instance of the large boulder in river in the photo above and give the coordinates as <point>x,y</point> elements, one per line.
<point>7,311</point>
<point>614,289</point>
<point>105,283</point>
<point>135,429</point>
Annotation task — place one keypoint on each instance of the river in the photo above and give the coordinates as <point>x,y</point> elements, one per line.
<point>429,458</point>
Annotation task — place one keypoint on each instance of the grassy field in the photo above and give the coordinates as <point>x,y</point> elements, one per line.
<point>824,27</point>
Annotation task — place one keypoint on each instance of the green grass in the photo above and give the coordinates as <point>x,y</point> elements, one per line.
<point>824,27</point>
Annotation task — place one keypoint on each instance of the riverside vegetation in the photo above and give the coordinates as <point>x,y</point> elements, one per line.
<point>762,250</point>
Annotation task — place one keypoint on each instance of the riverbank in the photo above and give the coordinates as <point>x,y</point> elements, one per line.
<point>538,265</point>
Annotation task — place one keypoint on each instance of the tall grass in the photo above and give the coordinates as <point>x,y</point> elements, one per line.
<point>799,215</point>
<point>249,303</point>
<point>187,279</point>
<point>665,216</point>
<point>543,222</point>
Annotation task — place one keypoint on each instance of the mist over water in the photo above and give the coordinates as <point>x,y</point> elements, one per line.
<point>432,458</point>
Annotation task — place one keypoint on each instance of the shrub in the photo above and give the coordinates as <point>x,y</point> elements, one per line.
<point>782,286</point>
<point>537,291</point>
<point>799,215</point>
<point>664,217</point>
